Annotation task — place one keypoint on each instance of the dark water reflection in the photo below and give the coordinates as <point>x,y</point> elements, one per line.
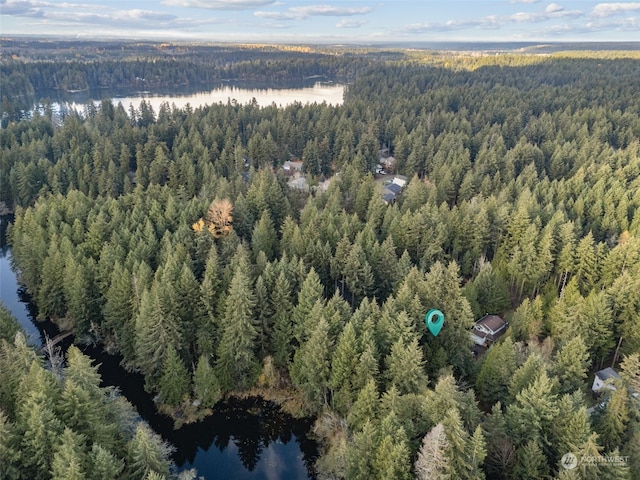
<point>243,439</point>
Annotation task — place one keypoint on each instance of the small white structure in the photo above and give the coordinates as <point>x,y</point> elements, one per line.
<point>604,379</point>
<point>488,329</point>
<point>400,180</point>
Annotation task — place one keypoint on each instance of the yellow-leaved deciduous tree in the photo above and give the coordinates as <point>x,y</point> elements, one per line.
<point>198,226</point>
<point>218,219</point>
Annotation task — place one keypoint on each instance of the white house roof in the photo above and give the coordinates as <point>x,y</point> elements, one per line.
<point>607,373</point>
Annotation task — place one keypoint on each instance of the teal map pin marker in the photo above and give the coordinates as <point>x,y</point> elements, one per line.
<point>434,320</point>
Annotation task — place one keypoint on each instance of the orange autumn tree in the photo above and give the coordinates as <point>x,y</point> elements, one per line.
<point>218,219</point>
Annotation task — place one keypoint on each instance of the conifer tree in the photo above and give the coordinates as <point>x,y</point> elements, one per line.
<point>525,375</point>
<point>51,291</point>
<point>612,425</point>
<point>442,290</point>
<point>572,363</point>
<point>630,372</point>
<point>174,381</point>
<point>527,320</point>
<point>310,293</point>
<point>393,459</point>
<point>68,460</point>
<point>156,329</point>
<point>586,269</point>
<point>360,459</point>
<point>358,274</point>
<point>236,363</point>
<point>41,431</point>
<point>8,452</point>
<point>282,327</point>
<point>103,465</point>
<point>367,368</point>
<point>118,306</point>
<point>210,296</point>
<point>311,366</point>
<point>465,453</point>
<point>570,429</point>
<point>532,463</point>
<point>264,238</point>
<point>263,315</point>
<point>187,292</point>
<point>497,369</point>
<point>365,407</point>
<point>206,387</point>
<point>77,296</point>
<point>501,452</point>
<point>535,409</point>
<point>343,368</point>
<point>146,453</point>
<point>493,292</point>
<point>405,367</point>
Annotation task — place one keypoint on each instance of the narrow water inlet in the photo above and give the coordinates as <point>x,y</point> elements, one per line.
<point>243,438</point>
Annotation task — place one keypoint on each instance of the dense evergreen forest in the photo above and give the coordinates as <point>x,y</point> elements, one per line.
<point>56,422</point>
<point>173,238</point>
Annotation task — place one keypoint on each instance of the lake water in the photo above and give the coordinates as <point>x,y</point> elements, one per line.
<point>305,92</point>
<point>243,439</point>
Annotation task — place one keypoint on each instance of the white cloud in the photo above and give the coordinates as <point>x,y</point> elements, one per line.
<point>489,22</point>
<point>219,4</point>
<point>329,10</point>
<point>299,13</point>
<point>350,23</point>
<point>492,22</point>
<point>553,11</point>
<point>553,7</point>
<point>276,15</point>
<point>22,8</point>
<point>35,8</point>
<point>133,17</point>
<point>608,9</point>
<point>628,24</point>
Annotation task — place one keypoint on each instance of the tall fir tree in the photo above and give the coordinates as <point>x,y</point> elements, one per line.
<point>174,380</point>
<point>146,454</point>
<point>206,387</point>
<point>310,293</point>
<point>282,326</point>
<point>236,364</point>
<point>69,457</point>
<point>311,368</point>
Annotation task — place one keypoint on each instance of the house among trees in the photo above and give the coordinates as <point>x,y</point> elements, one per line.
<point>604,379</point>
<point>389,164</point>
<point>385,160</point>
<point>392,189</point>
<point>488,329</point>
<point>291,167</point>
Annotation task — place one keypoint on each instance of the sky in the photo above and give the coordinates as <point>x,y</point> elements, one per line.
<point>336,22</point>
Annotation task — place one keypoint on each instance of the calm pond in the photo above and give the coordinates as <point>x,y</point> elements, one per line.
<point>243,439</point>
<point>310,91</point>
